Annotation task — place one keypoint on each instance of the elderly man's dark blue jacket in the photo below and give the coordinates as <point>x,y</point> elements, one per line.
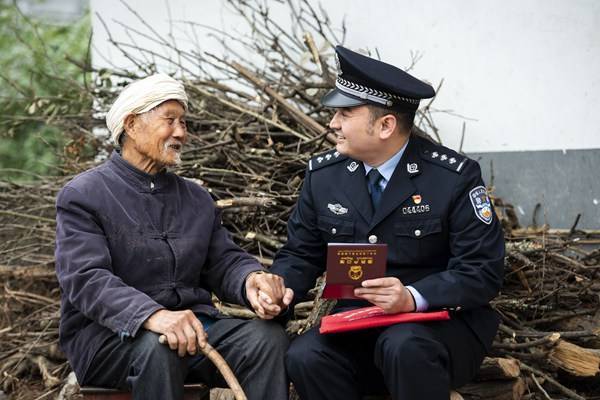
<point>128,244</point>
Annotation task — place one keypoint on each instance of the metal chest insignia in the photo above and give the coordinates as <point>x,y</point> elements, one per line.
<point>481,204</point>
<point>337,209</point>
<point>412,168</point>
<point>353,166</point>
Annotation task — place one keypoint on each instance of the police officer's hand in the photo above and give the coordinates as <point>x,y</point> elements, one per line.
<point>267,294</point>
<point>184,332</point>
<point>388,293</point>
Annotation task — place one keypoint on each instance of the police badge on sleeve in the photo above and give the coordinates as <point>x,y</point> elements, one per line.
<point>481,204</point>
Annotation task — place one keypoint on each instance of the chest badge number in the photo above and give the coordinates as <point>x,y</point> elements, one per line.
<point>481,204</point>
<point>337,209</point>
<point>417,208</point>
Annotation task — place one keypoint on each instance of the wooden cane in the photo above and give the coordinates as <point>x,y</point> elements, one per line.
<point>214,356</point>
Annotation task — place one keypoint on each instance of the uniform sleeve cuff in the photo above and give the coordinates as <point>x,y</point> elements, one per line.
<point>420,302</point>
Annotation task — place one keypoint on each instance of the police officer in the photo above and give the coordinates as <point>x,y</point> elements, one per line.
<point>383,184</point>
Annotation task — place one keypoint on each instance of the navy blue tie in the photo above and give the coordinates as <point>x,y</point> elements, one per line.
<point>374,178</point>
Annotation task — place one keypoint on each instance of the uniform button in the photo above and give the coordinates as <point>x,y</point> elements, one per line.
<point>372,239</point>
<point>333,231</point>
<point>417,232</point>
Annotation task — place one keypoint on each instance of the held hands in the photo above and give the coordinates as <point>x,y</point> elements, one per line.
<point>184,332</point>
<point>388,293</point>
<point>267,294</point>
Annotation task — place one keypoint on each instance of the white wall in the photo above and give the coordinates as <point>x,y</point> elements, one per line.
<point>526,74</point>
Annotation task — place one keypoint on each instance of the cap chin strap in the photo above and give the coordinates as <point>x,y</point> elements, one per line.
<point>367,93</point>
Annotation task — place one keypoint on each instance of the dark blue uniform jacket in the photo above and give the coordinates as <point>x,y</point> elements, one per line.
<point>435,216</point>
<point>128,244</point>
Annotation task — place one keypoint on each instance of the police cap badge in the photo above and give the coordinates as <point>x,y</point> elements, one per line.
<point>364,80</point>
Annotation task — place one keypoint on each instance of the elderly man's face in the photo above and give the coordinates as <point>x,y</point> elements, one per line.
<point>160,135</point>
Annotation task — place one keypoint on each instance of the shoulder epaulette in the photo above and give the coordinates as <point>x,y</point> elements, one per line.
<point>322,160</point>
<point>444,157</point>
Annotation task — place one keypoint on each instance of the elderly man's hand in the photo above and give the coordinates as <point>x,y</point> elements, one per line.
<point>184,332</point>
<point>267,294</point>
<point>388,293</point>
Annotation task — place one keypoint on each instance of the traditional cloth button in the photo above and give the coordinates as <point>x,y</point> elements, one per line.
<point>417,232</point>
<point>372,239</point>
<point>333,231</point>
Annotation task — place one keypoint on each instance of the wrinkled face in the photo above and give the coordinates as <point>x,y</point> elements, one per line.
<point>161,134</point>
<point>354,132</point>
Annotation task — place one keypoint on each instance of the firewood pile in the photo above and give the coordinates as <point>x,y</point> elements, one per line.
<point>254,123</point>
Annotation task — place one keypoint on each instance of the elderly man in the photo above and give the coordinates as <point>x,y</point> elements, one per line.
<point>383,184</point>
<point>138,252</point>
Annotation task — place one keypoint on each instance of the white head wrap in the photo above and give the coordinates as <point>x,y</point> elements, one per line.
<point>141,96</point>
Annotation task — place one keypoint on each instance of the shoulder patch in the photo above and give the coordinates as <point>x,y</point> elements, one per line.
<point>444,157</point>
<point>325,159</point>
<point>481,204</point>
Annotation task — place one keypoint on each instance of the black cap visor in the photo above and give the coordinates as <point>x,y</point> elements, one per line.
<point>338,99</point>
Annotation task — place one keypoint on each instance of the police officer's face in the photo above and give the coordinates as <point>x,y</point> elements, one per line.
<point>354,133</point>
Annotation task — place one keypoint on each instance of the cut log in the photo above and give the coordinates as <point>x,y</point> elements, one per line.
<point>494,390</point>
<point>498,368</point>
<point>574,359</point>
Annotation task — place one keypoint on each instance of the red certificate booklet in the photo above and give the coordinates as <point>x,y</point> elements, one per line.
<point>373,317</point>
<point>348,264</point>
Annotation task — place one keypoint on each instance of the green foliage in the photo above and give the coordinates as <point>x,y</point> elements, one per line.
<point>41,89</point>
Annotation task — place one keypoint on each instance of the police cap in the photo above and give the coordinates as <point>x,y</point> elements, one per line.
<point>364,80</point>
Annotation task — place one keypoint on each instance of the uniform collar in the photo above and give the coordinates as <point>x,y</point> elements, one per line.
<point>387,168</point>
<point>144,181</point>
<point>401,185</point>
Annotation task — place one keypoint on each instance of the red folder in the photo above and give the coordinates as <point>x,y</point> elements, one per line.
<point>373,317</point>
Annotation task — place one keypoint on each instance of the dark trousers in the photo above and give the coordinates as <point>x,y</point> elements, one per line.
<point>253,349</point>
<point>412,361</point>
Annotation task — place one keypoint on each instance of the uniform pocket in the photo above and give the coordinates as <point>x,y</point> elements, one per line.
<point>418,228</point>
<point>333,228</point>
<point>421,241</point>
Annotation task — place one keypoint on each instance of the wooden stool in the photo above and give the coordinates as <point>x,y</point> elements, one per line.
<point>191,392</point>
